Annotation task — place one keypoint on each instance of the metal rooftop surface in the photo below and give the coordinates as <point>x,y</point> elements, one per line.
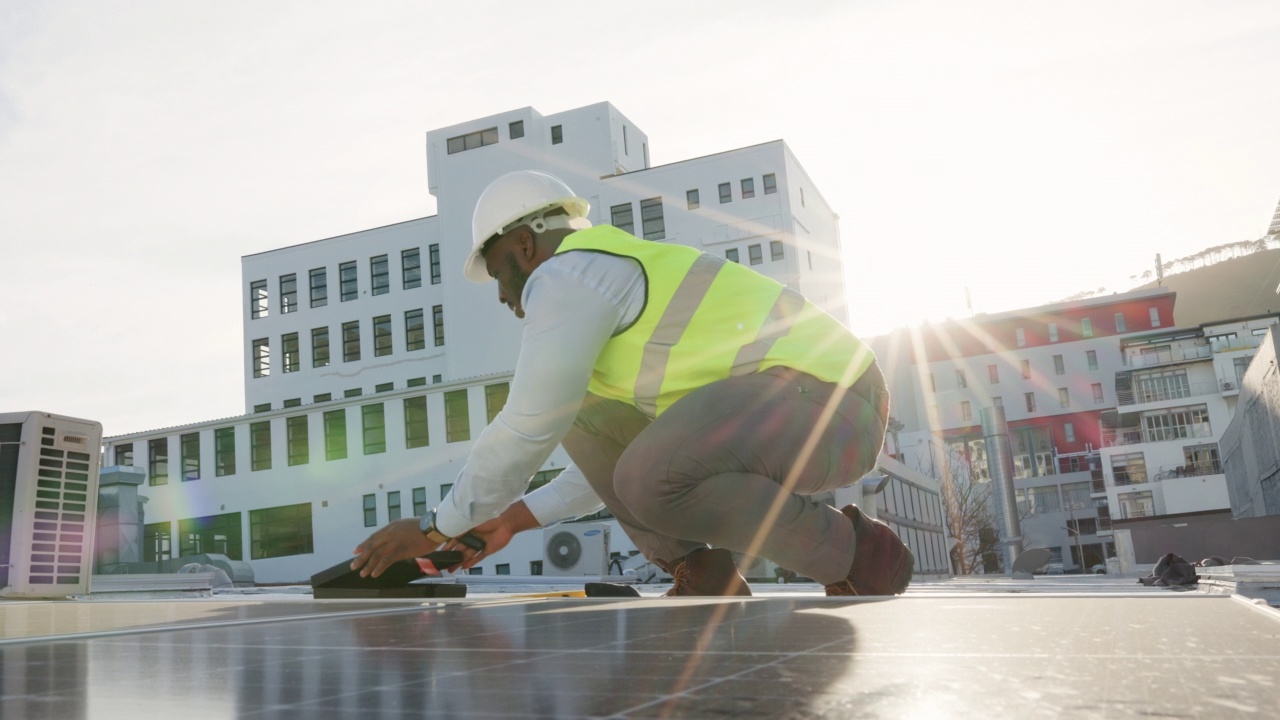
<point>1062,647</point>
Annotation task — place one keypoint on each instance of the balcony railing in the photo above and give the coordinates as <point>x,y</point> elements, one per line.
<point>1193,469</point>
<point>1136,436</point>
<point>1199,352</point>
<point>1172,392</point>
<point>1130,477</point>
<point>1236,343</point>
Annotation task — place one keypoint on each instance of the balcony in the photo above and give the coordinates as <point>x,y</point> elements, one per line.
<point>1192,469</point>
<point>1170,392</point>
<point>1136,436</point>
<point>1221,345</point>
<point>1099,482</point>
<point>1168,357</point>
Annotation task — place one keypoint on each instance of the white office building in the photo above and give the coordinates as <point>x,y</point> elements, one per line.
<point>370,363</point>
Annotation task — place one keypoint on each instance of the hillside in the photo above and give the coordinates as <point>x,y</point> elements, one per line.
<point>1229,289</point>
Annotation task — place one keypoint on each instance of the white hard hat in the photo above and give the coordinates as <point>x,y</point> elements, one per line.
<point>520,198</point>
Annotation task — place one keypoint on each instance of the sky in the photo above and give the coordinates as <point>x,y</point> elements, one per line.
<point>1024,151</point>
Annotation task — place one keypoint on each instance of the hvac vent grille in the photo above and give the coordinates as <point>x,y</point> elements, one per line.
<point>58,540</point>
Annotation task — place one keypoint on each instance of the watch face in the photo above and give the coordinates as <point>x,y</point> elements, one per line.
<point>428,521</point>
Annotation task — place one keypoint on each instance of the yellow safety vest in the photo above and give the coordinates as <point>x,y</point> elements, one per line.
<point>707,319</point>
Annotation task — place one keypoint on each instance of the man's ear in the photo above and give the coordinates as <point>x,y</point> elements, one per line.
<point>526,245</point>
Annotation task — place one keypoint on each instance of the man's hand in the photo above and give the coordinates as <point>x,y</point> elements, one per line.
<point>495,533</point>
<point>398,540</point>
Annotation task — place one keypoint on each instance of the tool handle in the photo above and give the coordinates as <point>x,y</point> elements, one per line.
<point>471,541</point>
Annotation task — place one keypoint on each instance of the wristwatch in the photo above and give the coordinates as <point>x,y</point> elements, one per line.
<point>427,524</point>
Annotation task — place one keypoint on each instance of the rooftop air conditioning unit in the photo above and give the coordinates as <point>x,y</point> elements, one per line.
<point>48,503</point>
<point>577,549</point>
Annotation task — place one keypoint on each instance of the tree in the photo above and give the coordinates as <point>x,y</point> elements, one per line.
<point>968,503</point>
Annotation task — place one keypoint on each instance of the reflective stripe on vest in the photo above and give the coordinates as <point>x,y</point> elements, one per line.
<point>706,319</point>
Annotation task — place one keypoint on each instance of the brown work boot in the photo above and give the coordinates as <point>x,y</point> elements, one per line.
<point>707,572</point>
<point>882,564</point>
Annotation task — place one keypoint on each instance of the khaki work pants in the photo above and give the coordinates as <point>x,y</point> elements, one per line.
<point>710,468</point>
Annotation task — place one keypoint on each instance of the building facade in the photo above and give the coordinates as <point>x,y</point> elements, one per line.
<point>1251,443</point>
<point>1111,410</point>
<point>371,364</point>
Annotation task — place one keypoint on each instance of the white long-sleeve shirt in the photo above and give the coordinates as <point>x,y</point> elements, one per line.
<point>573,304</point>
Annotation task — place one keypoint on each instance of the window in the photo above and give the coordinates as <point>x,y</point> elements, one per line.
<point>437,322</point>
<point>1031,401</point>
<point>157,542</point>
<point>260,445</point>
<point>966,412</point>
<point>770,184</point>
<point>419,502</point>
<point>726,193</point>
<point>319,287</point>
<point>1097,392</point>
<point>620,216</point>
<point>189,446</point>
<point>258,299</point>
<point>351,341</point>
<point>731,254</point>
<point>1044,499</point>
<point>755,254</point>
<point>1069,430</point>
<point>1092,357</point>
<point>262,407</point>
<point>380,275</point>
<point>353,392</point>
<point>410,268</point>
<point>261,357</point>
<point>393,505</point>
<point>1086,327</point>
<point>371,511</point>
<point>373,424</point>
<point>292,355</point>
<point>382,335</point>
<point>625,150</point>
<point>322,397</point>
<point>502,569</point>
<point>1053,332</point>
<point>1021,335</point>
<point>993,374</point>
<point>495,396</point>
<point>541,478</point>
<point>1176,423</point>
<point>1155,316</point>
<point>415,334</point>
<point>997,401</point>
<point>124,455</point>
<point>473,140</point>
<point>384,387</point>
<point>515,130</point>
<point>457,417</point>
<point>335,434</point>
<point>320,347</point>
<point>211,534</point>
<point>961,380</point>
<point>775,250</point>
<point>748,188</point>
<point>224,451</point>
<point>557,135</point>
<point>433,255</point>
<point>1120,322</point>
<point>415,423</point>
<point>297,440</point>
<point>291,402</point>
<point>1129,469</point>
<point>1026,369</point>
<point>691,198</point>
<point>651,220</point>
<point>1064,397</point>
<point>1059,365</point>
<point>280,531</point>
<point>535,567</point>
<point>1162,385</point>
<point>444,490</point>
<point>289,293</point>
<point>348,281</point>
<point>158,461</point>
